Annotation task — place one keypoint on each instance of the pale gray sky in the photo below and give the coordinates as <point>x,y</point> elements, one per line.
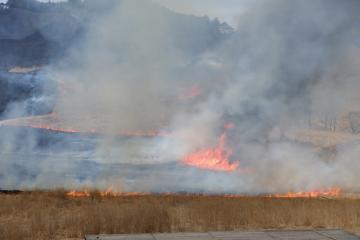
<point>225,10</point>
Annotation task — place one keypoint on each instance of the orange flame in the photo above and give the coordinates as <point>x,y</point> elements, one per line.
<point>194,92</point>
<point>322,192</point>
<point>53,122</point>
<point>331,192</point>
<point>229,125</point>
<point>216,159</point>
<point>107,193</point>
<point>78,194</point>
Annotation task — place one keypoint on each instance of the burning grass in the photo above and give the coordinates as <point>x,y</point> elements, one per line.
<point>55,215</point>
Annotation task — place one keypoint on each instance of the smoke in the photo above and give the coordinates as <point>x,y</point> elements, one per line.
<point>285,68</point>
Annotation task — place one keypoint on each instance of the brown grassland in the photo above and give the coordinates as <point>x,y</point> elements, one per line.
<point>53,215</point>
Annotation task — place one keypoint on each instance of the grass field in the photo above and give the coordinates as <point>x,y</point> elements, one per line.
<point>53,215</point>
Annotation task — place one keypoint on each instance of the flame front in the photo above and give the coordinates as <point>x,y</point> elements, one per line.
<point>78,194</point>
<point>216,159</point>
<point>319,193</point>
<point>107,193</point>
<point>322,192</point>
<point>53,122</point>
<point>194,92</point>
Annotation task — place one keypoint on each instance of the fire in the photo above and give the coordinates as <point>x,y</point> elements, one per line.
<point>229,125</point>
<point>107,193</point>
<point>216,159</point>
<point>331,192</point>
<point>53,122</point>
<point>194,92</point>
<point>322,192</point>
<point>78,194</point>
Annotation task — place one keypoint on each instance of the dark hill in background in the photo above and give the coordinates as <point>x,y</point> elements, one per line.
<point>35,33</point>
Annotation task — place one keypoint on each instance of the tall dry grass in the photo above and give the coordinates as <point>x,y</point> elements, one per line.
<point>53,215</point>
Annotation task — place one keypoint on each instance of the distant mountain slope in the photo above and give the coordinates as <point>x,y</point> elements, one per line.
<point>31,50</point>
<point>29,37</point>
<point>35,33</point>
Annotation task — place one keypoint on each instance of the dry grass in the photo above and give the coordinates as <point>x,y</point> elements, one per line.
<point>52,215</point>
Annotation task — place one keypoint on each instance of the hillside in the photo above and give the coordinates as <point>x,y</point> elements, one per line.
<point>40,34</point>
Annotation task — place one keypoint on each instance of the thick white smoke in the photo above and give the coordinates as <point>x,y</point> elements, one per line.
<point>287,66</point>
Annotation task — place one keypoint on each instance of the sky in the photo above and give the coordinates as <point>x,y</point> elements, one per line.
<point>225,10</point>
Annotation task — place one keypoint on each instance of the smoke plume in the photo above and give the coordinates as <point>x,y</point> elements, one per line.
<point>288,67</point>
